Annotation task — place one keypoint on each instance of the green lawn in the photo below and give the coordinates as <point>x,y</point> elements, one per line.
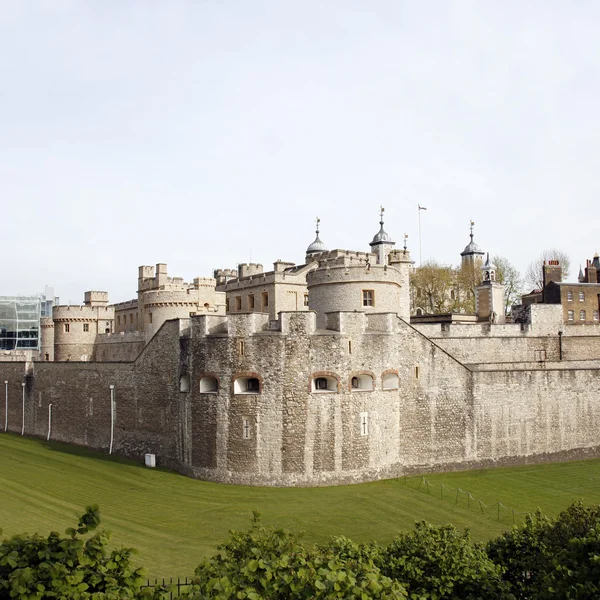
<point>174,521</point>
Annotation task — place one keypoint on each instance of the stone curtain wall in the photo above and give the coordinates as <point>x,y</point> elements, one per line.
<point>444,415</point>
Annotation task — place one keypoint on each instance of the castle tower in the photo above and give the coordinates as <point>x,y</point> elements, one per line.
<point>472,255</point>
<point>489,296</point>
<point>316,247</point>
<point>382,243</point>
<point>76,327</point>
<point>401,260</point>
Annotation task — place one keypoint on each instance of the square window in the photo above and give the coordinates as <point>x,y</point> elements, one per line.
<point>571,315</point>
<point>368,297</point>
<point>86,327</point>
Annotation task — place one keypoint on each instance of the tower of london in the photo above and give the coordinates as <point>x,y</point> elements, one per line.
<point>313,374</point>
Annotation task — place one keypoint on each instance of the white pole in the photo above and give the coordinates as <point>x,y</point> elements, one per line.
<point>420,253</point>
<point>6,406</point>
<point>49,421</point>
<point>23,417</point>
<point>112,417</point>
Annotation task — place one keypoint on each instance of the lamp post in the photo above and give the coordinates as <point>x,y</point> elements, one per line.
<point>23,411</point>
<point>5,406</point>
<point>112,417</point>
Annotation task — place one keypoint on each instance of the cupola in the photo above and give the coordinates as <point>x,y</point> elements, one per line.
<point>317,246</point>
<point>382,242</point>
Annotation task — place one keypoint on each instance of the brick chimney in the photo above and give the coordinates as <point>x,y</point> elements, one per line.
<point>552,271</point>
<point>591,273</point>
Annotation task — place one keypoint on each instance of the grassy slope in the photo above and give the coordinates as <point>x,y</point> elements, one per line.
<point>174,521</point>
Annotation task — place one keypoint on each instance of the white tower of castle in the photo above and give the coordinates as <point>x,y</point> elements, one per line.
<point>489,296</point>
<point>382,243</point>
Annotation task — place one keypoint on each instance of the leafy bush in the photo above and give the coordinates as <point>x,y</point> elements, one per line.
<point>439,563</point>
<point>552,558</point>
<point>273,564</point>
<point>35,567</point>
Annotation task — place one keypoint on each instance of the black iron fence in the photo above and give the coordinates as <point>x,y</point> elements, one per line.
<point>174,587</point>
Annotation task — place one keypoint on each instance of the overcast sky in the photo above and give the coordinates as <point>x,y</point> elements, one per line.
<point>208,133</point>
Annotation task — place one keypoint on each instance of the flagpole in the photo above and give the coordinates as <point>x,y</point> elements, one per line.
<point>420,250</point>
<point>420,208</point>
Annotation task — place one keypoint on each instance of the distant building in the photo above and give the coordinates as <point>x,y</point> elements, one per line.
<point>20,324</point>
<point>580,300</point>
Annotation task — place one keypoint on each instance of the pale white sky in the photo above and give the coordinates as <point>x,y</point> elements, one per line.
<point>206,133</point>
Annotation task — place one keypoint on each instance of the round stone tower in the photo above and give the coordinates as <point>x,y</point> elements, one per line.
<point>76,327</point>
<point>47,339</point>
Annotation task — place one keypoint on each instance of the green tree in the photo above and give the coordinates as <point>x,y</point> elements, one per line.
<point>432,286</point>
<point>264,562</point>
<point>440,563</point>
<point>552,558</point>
<point>36,567</point>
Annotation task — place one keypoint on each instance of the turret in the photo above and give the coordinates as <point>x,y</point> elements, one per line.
<point>317,247</point>
<point>489,296</point>
<point>382,243</point>
<point>472,255</point>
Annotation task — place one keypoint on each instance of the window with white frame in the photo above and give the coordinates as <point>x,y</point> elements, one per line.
<point>368,298</point>
<point>246,385</point>
<point>361,383</point>
<point>581,296</point>
<point>596,316</point>
<point>582,315</point>
<point>390,381</point>
<point>184,383</point>
<point>364,423</point>
<point>324,384</point>
<point>569,296</point>
<point>571,315</point>
<point>209,385</point>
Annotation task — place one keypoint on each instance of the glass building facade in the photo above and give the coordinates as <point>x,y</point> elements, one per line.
<point>20,322</point>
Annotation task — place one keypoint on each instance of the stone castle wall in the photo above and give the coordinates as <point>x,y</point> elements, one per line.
<point>442,414</point>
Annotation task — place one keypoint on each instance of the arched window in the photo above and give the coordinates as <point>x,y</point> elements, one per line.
<point>246,385</point>
<point>362,382</point>
<point>390,381</point>
<point>209,385</point>
<point>324,383</point>
<point>184,383</point>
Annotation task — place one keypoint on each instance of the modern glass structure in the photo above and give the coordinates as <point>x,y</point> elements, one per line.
<point>20,322</point>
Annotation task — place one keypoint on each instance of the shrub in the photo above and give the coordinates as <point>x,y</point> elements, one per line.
<point>273,564</point>
<point>440,563</point>
<point>35,567</point>
<point>552,558</point>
